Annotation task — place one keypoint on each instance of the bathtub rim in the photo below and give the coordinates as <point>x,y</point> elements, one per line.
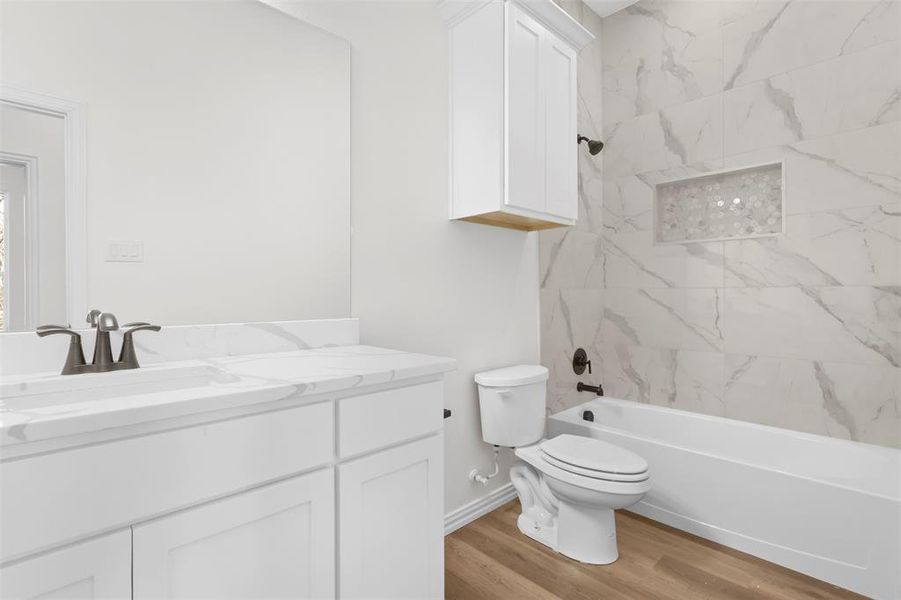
<point>891,454</point>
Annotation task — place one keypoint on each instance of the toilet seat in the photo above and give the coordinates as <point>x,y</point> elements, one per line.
<point>594,458</point>
<point>598,482</point>
<point>605,475</point>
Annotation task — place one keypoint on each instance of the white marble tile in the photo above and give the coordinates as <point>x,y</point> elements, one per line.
<point>589,118</point>
<point>570,257</point>
<point>681,379</point>
<point>628,205</point>
<point>570,319</point>
<point>680,135</point>
<point>848,93</point>
<point>634,146</point>
<point>733,10</point>
<point>632,260</point>
<point>591,180</point>
<point>882,22</point>
<point>688,380</point>
<point>652,27</point>
<point>641,82</point>
<point>693,131</point>
<point>837,324</point>
<point>814,84</point>
<point>623,368</point>
<point>858,402</point>
<point>782,36</point>
<point>854,169</point>
<point>855,246</point>
<point>666,318</point>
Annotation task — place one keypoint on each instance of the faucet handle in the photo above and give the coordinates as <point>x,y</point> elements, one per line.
<point>128,359</point>
<point>92,317</point>
<point>107,322</point>
<point>139,326</point>
<point>45,330</point>
<point>75,358</point>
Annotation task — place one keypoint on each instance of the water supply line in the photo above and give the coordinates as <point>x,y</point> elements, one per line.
<point>474,475</point>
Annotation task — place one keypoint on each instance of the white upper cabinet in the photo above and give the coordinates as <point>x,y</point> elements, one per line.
<point>513,160</point>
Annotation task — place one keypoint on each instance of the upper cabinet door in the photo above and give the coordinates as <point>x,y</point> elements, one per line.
<point>561,159</point>
<point>98,568</point>
<point>525,111</point>
<point>273,542</point>
<point>392,523</point>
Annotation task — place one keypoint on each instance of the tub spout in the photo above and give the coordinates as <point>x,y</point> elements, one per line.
<point>594,389</point>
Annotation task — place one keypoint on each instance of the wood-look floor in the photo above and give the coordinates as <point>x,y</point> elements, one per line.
<point>490,558</point>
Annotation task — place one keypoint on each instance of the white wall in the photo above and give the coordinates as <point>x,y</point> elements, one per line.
<point>218,133</point>
<point>421,282</point>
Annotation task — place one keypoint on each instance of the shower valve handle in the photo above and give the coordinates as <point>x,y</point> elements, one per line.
<point>580,361</point>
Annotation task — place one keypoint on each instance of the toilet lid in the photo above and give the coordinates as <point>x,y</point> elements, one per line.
<point>593,455</point>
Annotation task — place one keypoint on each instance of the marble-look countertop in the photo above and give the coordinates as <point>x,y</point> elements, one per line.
<point>173,389</point>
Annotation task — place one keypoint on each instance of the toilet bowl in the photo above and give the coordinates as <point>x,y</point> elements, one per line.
<point>568,486</point>
<point>587,480</point>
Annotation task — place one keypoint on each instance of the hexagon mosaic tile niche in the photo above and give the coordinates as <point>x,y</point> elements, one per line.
<point>742,203</point>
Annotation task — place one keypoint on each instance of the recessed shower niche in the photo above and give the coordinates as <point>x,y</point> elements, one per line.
<point>739,203</point>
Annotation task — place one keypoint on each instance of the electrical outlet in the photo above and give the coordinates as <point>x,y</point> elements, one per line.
<point>125,251</point>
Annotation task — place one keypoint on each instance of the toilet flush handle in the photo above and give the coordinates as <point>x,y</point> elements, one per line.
<point>505,394</point>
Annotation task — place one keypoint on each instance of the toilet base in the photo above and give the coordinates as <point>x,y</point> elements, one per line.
<point>587,534</point>
<point>582,533</point>
<point>540,532</point>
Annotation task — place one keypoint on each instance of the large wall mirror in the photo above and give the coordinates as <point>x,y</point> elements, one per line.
<point>178,162</point>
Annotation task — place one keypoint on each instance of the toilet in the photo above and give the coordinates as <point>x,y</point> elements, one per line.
<point>568,485</point>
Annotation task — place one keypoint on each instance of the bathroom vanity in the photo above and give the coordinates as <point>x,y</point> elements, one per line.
<point>258,460</point>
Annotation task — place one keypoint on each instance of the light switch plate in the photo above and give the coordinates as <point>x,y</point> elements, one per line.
<point>124,251</point>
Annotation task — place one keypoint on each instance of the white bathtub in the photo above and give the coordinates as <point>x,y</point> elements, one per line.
<point>825,507</point>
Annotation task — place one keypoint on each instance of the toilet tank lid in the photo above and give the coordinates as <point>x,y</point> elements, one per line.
<point>512,376</point>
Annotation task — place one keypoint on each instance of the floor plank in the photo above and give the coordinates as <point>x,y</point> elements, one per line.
<point>491,559</point>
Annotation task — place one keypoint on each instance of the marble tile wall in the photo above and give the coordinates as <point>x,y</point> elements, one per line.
<point>800,330</point>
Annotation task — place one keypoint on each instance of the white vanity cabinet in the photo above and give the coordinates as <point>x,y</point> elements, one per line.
<point>238,505</point>
<point>513,102</point>
<point>392,531</point>
<point>277,541</point>
<point>97,568</point>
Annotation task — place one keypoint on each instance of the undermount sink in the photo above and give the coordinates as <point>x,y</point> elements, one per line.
<point>52,389</point>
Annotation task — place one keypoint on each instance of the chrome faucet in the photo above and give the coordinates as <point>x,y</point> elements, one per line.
<point>103,361</point>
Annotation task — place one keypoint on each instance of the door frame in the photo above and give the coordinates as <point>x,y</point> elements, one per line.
<point>73,115</point>
<point>32,241</point>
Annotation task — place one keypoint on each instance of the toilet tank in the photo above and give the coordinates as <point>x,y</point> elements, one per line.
<point>512,404</point>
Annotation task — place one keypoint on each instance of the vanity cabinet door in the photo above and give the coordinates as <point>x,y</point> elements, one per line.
<point>391,523</point>
<point>272,542</point>
<point>98,568</point>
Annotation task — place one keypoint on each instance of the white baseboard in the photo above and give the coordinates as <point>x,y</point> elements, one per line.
<point>468,513</point>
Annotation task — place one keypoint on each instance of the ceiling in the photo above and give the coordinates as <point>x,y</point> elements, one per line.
<point>605,8</point>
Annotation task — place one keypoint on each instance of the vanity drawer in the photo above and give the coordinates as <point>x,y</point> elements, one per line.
<point>58,497</point>
<point>377,420</point>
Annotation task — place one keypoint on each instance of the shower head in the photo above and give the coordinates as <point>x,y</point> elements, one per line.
<point>594,146</point>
